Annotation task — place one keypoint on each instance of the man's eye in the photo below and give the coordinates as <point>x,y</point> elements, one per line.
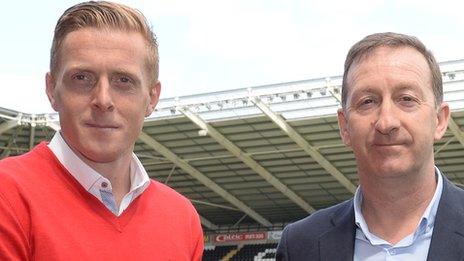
<point>80,77</point>
<point>408,101</point>
<point>125,79</point>
<point>367,101</point>
<point>82,80</point>
<point>123,83</point>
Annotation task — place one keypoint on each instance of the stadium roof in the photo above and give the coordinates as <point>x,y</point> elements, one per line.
<point>253,157</point>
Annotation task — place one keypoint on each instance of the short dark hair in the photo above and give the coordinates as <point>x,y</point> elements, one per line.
<point>368,44</point>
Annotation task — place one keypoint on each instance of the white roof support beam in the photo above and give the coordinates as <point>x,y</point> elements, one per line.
<point>53,125</point>
<point>308,148</point>
<point>32,137</point>
<point>444,145</point>
<point>205,222</point>
<point>168,154</point>
<point>213,205</point>
<point>456,130</point>
<point>333,90</point>
<point>7,150</point>
<point>8,125</point>
<point>249,161</point>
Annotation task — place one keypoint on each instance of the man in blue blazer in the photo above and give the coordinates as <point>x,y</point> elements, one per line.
<point>404,208</point>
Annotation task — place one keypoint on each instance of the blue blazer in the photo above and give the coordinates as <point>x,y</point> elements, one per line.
<point>329,234</point>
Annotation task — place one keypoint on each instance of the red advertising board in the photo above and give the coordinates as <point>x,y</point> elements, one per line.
<point>238,237</point>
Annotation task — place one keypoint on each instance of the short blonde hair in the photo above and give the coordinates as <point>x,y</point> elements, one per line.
<point>104,15</point>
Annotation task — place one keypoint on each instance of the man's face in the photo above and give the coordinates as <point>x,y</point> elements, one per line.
<point>390,120</point>
<point>102,90</point>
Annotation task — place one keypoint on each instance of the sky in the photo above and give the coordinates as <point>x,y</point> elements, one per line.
<point>208,45</point>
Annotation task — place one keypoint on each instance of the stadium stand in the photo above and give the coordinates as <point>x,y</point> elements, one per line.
<point>217,252</point>
<point>248,252</point>
<point>252,159</point>
<point>255,252</point>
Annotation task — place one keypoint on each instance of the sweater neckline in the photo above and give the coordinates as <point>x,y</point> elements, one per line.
<point>118,222</point>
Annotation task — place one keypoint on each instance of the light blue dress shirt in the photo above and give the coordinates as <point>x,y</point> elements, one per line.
<point>369,247</point>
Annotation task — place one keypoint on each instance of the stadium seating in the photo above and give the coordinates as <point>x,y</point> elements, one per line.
<point>256,252</point>
<point>251,252</point>
<point>216,253</point>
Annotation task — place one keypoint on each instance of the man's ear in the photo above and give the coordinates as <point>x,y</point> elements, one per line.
<point>50,90</point>
<point>443,116</point>
<point>343,124</point>
<point>155,90</point>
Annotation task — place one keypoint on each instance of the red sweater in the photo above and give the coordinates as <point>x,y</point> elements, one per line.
<point>45,214</point>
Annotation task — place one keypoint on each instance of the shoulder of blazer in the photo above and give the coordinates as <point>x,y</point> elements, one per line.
<point>307,232</point>
<point>448,233</point>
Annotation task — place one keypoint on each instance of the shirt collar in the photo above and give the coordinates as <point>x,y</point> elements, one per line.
<point>139,176</point>
<point>87,176</point>
<point>426,222</point>
<point>431,210</point>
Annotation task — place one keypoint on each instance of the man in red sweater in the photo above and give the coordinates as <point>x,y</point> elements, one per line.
<point>85,195</point>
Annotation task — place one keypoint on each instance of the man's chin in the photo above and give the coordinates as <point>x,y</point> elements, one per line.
<point>386,168</point>
<point>391,171</point>
<point>101,156</point>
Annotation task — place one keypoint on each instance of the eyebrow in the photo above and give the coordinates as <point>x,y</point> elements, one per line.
<point>398,87</point>
<point>116,71</point>
<point>363,91</point>
<point>407,86</point>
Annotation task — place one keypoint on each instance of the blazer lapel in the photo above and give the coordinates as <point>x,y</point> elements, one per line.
<point>338,243</point>
<point>448,233</point>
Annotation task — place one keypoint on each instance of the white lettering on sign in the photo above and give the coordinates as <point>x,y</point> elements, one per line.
<point>240,237</point>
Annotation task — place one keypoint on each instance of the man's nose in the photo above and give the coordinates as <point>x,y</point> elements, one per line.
<point>102,98</point>
<point>387,121</point>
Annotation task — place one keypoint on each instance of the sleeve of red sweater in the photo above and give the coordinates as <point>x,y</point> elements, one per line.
<point>14,243</point>
<point>14,215</point>
<point>198,237</point>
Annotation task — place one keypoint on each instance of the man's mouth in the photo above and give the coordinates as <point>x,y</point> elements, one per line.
<point>387,144</point>
<point>101,126</point>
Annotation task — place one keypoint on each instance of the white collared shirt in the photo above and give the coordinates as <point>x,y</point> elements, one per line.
<point>94,182</point>
<point>415,246</point>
